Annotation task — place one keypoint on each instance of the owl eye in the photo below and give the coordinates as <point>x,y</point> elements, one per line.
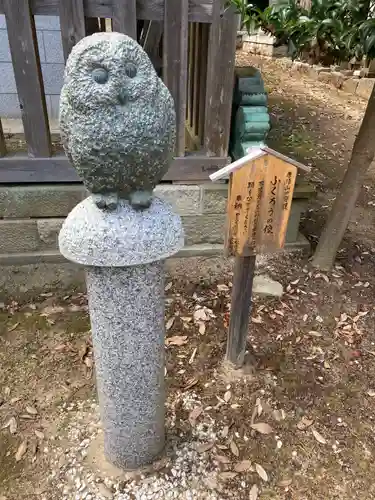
<point>100,75</point>
<point>130,70</point>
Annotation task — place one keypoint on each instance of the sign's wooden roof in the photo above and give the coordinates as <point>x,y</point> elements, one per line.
<point>254,154</point>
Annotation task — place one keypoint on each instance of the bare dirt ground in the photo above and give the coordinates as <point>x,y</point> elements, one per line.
<point>301,427</point>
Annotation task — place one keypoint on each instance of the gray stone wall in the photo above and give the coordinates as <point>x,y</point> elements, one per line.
<point>52,62</point>
<point>31,217</point>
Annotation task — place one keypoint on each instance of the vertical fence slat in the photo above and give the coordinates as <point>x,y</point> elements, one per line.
<point>151,43</point>
<point>220,79</point>
<point>203,41</point>
<point>27,72</point>
<point>3,148</point>
<point>72,21</point>
<point>125,17</point>
<point>189,90</point>
<point>196,80</point>
<point>175,51</point>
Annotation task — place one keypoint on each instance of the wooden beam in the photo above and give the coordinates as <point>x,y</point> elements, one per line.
<point>244,269</point>
<point>26,64</point>
<point>72,22</point>
<point>124,18</point>
<point>20,169</point>
<point>219,95</point>
<point>175,48</point>
<point>199,10</point>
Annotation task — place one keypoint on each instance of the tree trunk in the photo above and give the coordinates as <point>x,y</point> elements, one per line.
<point>362,156</point>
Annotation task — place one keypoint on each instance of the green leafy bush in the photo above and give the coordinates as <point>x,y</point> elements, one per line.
<point>330,31</point>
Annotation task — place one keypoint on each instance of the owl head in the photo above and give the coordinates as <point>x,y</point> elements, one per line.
<point>108,70</point>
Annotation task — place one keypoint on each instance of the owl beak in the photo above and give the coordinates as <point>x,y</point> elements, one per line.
<point>122,97</point>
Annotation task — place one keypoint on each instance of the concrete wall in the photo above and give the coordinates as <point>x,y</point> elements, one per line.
<point>31,217</point>
<point>52,62</point>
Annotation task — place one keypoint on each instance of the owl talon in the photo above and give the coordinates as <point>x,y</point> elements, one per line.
<point>140,199</point>
<point>105,202</point>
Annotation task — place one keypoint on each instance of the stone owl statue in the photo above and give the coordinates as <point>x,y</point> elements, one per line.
<point>117,120</point>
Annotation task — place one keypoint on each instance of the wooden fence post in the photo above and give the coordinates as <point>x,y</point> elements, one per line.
<point>175,52</point>
<point>26,64</point>
<point>72,22</point>
<point>220,79</point>
<point>125,17</point>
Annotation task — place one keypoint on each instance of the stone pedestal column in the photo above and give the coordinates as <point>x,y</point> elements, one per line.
<point>123,252</point>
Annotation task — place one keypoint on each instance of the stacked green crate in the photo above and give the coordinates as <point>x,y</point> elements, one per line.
<point>250,118</point>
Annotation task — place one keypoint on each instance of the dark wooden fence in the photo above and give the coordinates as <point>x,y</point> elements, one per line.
<point>191,42</point>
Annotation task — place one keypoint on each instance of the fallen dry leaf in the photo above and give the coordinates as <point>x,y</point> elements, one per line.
<point>278,415</point>
<point>88,361</point>
<point>13,327</point>
<point>194,414</point>
<point>227,476</point>
<point>169,323</point>
<point>222,288</point>
<point>370,393</point>
<point>262,428</point>
<point>22,449</point>
<point>104,491</point>
<point>343,317</point>
<point>315,334</point>
<point>168,286</point>
<point>234,449</point>
<point>304,423</point>
<point>227,396</point>
<point>31,410</point>
<point>39,434</point>
<point>176,340</point>
<point>193,355</point>
<point>221,446</point>
<point>253,495</point>
<point>222,459</point>
<point>191,383</point>
<point>318,436</point>
<point>243,466</point>
<point>202,328</point>
<point>257,320</point>
<point>201,448</point>
<point>200,315</point>
<point>13,425</point>
<point>52,310</point>
<point>225,431</point>
<point>284,483</point>
<point>261,472</point>
<point>211,481</point>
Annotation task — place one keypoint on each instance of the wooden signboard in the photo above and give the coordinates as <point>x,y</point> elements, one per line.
<point>259,201</point>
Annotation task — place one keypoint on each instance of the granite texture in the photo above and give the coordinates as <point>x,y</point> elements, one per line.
<point>122,237</point>
<point>129,359</point>
<point>117,119</point>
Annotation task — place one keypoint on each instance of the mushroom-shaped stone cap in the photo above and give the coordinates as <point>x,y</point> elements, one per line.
<point>120,238</point>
